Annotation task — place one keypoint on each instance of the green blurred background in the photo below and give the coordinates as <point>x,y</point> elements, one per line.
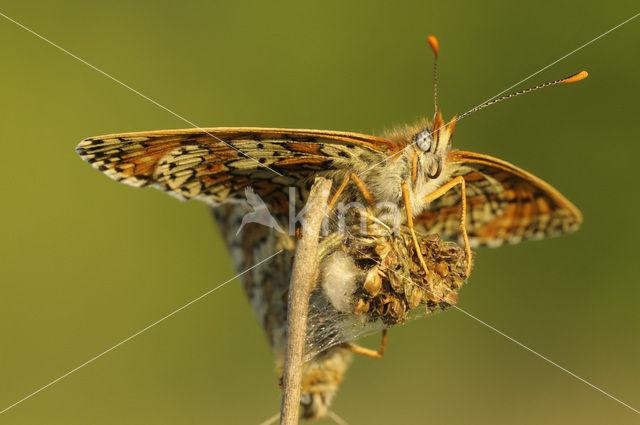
<point>87,262</point>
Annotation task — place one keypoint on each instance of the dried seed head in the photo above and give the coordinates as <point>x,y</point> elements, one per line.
<point>396,308</point>
<point>392,280</point>
<point>390,260</point>
<point>396,281</point>
<point>373,281</point>
<point>451,298</point>
<point>382,250</point>
<point>361,307</point>
<point>442,268</point>
<point>415,299</point>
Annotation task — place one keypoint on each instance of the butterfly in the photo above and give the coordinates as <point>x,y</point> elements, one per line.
<point>411,175</point>
<point>412,166</point>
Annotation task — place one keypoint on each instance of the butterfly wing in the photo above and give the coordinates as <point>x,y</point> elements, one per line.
<point>216,164</point>
<point>504,204</point>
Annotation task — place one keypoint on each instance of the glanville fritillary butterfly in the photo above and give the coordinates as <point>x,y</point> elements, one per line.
<point>457,194</point>
<point>460,195</point>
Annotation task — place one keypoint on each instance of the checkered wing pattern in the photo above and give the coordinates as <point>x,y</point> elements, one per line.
<point>504,204</point>
<point>216,164</point>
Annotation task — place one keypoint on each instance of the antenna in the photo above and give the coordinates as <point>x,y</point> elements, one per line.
<point>570,79</point>
<point>433,42</point>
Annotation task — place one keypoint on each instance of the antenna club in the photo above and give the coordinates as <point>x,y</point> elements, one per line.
<point>575,77</point>
<point>433,42</point>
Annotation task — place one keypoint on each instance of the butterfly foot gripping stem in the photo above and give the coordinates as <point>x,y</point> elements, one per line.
<point>463,211</point>
<point>368,351</point>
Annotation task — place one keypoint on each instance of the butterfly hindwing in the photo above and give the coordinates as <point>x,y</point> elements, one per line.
<point>504,204</point>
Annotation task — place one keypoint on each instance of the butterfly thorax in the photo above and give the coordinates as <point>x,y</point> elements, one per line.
<point>385,181</point>
<point>421,162</point>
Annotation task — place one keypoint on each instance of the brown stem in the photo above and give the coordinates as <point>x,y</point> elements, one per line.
<point>303,278</point>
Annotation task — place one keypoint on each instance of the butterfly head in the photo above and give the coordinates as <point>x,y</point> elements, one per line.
<point>435,143</point>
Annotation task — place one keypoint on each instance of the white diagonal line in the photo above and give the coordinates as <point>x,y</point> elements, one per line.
<point>560,59</point>
<point>135,91</point>
<point>546,359</point>
<point>337,419</point>
<point>136,334</point>
<point>507,336</point>
<point>271,420</point>
<point>462,116</point>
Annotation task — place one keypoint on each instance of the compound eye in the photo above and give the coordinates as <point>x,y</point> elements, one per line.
<point>423,140</point>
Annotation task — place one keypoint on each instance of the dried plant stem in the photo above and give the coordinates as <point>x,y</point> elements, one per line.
<point>303,278</point>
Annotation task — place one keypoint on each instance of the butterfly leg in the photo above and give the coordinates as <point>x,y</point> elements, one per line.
<point>335,196</point>
<point>368,351</point>
<point>407,206</point>
<point>463,213</point>
<point>363,189</point>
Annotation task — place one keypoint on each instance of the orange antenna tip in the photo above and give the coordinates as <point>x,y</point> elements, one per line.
<point>575,77</point>
<point>433,42</point>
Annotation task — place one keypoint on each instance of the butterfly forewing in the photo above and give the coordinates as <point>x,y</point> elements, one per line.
<point>218,163</point>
